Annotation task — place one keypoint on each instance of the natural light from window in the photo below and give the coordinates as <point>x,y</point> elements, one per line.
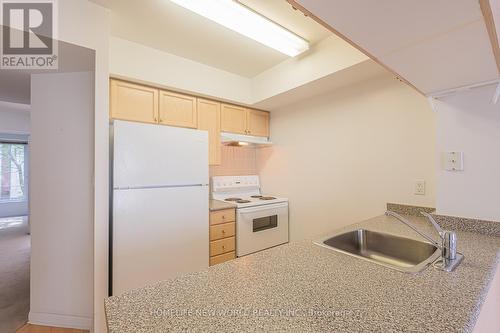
<point>12,172</point>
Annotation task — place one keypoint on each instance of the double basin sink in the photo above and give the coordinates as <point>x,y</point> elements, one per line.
<point>399,253</point>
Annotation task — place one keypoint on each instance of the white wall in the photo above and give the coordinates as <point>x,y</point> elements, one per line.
<point>470,123</point>
<point>341,157</point>
<point>84,23</point>
<point>14,118</point>
<point>170,71</point>
<point>61,199</point>
<point>142,63</point>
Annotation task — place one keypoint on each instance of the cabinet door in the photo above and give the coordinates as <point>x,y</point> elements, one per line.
<point>233,119</point>
<point>209,120</point>
<point>133,102</point>
<point>258,123</point>
<point>177,110</point>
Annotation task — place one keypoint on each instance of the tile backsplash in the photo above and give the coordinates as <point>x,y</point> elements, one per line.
<point>236,161</point>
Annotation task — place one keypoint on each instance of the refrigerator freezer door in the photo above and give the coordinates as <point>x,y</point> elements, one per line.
<point>158,234</point>
<point>154,155</point>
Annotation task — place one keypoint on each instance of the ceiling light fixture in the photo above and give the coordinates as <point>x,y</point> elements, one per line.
<point>243,20</point>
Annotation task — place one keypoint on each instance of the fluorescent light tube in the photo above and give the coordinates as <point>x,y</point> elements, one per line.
<point>241,19</point>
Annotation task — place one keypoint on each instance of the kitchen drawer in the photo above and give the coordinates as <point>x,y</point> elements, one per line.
<point>222,258</point>
<point>222,246</point>
<point>222,216</point>
<point>220,231</point>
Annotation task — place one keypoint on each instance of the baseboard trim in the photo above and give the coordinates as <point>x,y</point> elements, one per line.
<point>57,320</point>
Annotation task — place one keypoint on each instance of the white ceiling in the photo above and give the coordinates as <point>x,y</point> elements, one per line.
<point>163,25</point>
<point>434,44</point>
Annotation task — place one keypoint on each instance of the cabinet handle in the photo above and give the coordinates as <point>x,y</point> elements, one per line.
<point>155,119</point>
<point>223,217</point>
<point>223,232</point>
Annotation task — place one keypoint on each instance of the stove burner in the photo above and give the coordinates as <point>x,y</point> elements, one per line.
<point>232,199</point>
<point>243,201</point>
<point>267,198</point>
<point>256,196</point>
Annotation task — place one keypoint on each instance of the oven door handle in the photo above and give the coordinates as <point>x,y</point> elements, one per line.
<point>262,207</point>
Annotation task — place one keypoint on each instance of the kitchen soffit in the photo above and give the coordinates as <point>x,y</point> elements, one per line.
<point>435,45</point>
<point>165,26</point>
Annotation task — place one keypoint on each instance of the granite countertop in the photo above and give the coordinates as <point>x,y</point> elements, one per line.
<point>302,287</point>
<point>220,205</point>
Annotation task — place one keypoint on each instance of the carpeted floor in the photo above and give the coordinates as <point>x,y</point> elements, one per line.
<point>15,246</point>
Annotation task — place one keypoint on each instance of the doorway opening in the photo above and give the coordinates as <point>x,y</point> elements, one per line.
<point>15,239</point>
<point>46,194</point>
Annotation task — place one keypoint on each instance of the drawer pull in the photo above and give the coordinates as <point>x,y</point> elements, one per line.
<point>224,216</point>
<point>222,231</point>
<point>222,246</point>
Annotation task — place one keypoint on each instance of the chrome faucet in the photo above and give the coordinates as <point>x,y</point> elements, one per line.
<point>450,259</point>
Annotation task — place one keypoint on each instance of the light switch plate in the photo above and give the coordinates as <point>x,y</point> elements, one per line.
<point>454,161</point>
<point>420,187</point>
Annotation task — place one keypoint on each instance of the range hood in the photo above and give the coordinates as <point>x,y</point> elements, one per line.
<point>231,139</point>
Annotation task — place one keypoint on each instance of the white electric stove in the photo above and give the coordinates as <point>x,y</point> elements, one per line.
<point>261,219</point>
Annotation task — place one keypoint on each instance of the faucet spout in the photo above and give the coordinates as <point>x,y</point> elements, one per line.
<point>434,223</point>
<point>449,257</point>
<point>408,224</point>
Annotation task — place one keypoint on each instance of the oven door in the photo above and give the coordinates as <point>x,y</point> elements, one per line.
<point>261,227</point>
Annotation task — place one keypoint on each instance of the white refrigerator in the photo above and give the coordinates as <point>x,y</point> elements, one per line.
<point>159,216</point>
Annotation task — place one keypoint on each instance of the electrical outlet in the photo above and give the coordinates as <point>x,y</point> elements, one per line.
<point>420,187</point>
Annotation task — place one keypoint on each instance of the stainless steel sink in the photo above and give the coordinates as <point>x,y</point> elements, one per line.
<point>399,253</point>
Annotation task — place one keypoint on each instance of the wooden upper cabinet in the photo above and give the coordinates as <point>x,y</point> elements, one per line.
<point>177,110</point>
<point>237,119</point>
<point>209,120</point>
<point>133,102</point>
<point>233,119</point>
<point>258,123</point>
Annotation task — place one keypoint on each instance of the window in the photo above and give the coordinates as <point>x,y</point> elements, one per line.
<point>13,185</point>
